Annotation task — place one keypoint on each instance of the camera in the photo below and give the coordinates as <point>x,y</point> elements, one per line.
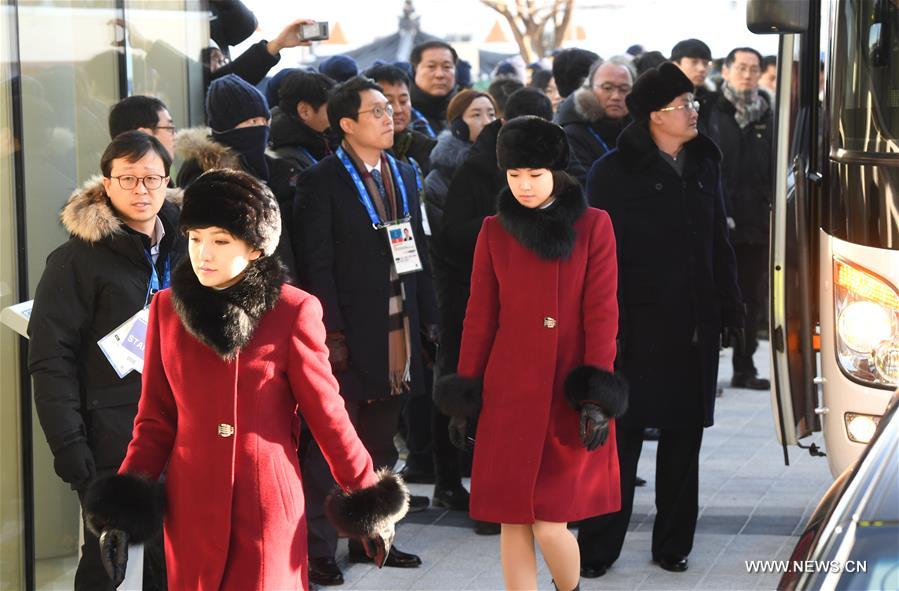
<point>314,32</point>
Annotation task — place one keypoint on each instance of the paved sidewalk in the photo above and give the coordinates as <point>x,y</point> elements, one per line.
<point>752,507</point>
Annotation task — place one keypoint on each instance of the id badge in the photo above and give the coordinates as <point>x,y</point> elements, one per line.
<point>124,346</point>
<point>402,247</point>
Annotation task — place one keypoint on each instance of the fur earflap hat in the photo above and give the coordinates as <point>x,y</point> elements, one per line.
<point>655,88</point>
<point>237,202</point>
<point>531,142</point>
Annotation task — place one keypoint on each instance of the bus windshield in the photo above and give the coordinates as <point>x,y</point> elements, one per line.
<point>867,91</point>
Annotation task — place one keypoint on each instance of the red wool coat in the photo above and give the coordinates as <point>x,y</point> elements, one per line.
<point>225,432</point>
<point>529,322</point>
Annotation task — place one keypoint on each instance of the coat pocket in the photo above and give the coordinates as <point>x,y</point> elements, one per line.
<point>289,501</point>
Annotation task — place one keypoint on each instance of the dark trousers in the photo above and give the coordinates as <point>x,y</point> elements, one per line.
<point>752,273</point>
<point>376,424</point>
<point>677,497</point>
<point>417,422</point>
<point>91,576</point>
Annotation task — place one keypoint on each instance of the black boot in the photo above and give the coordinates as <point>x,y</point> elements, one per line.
<point>576,587</point>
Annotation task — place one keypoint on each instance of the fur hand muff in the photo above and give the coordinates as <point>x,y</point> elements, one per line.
<point>591,384</point>
<point>457,396</point>
<point>367,512</point>
<point>126,502</point>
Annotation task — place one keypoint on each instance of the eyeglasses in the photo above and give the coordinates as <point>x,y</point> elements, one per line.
<point>609,87</point>
<point>151,181</point>
<point>169,128</point>
<point>687,106</point>
<point>753,70</point>
<point>379,111</point>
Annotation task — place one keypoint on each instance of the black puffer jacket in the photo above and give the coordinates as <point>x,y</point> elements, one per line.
<point>92,284</point>
<point>746,169</point>
<point>446,158</point>
<point>201,153</point>
<point>297,143</point>
<point>590,133</point>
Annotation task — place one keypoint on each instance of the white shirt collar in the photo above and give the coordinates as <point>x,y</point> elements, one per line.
<point>370,168</point>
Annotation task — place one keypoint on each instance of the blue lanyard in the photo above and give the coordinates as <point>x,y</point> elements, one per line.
<point>419,117</point>
<point>364,197</point>
<point>417,169</point>
<point>605,147</point>
<point>155,285</point>
<point>309,155</point>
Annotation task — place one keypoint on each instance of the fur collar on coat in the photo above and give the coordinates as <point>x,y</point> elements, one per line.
<point>587,105</point>
<point>89,216</point>
<point>548,233</point>
<point>225,320</point>
<point>639,150</point>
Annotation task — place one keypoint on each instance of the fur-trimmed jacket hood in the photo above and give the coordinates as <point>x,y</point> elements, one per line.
<point>226,319</point>
<point>89,216</point>
<point>548,232</point>
<point>197,144</point>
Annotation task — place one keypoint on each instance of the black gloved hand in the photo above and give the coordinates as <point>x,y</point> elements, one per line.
<point>433,333</point>
<point>734,336</point>
<point>378,546</point>
<point>594,427</point>
<point>75,464</point>
<point>458,433</point>
<point>114,554</point>
<point>338,354</point>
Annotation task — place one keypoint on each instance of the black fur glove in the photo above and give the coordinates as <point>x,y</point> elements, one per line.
<point>458,434</point>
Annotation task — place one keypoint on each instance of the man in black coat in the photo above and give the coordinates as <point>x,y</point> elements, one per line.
<point>434,64</point>
<point>742,124</point>
<point>124,244</point>
<point>300,121</point>
<point>677,290</point>
<point>596,113</point>
<point>345,206</point>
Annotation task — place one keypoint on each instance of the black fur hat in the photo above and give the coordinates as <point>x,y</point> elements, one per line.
<point>655,88</point>
<point>531,142</point>
<point>237,202</point>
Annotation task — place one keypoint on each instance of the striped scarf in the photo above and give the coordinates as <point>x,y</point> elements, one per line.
<point>398,336</point>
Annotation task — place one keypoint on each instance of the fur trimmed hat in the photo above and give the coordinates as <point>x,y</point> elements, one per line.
<point>655,88</point>
<point>531,142</point>
<point>236,201</point>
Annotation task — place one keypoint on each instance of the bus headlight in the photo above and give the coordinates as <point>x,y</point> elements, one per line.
<point>861,428</point>
<point>867,317</point>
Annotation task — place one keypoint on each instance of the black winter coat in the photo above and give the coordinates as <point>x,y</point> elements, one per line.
<point>446,158</point>
<point>295,142</point>
<point>747,169</point>
<point>432,108</point>
<point>590,133</point>
<point>201,152</point>
<point>346,263</point>
<point>414,144</point>
<point>677,277</point>
<point>92,284</point>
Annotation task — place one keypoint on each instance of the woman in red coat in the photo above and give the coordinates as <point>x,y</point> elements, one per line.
<point>231,354</point>
<point>536,360</point>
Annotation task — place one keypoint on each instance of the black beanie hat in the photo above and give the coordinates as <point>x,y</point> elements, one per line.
<point>655,88</point>
<point>230,100</point>
<point>531,142</point>
<point>690,48</point>
<point>237,202</point>
<point>570,68</point>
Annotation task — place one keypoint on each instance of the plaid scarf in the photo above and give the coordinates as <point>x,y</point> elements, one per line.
<point>398,336</point>
<point>749,105</point>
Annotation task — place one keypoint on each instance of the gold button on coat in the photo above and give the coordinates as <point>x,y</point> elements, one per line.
<point>226,430</point>
<point>549,322</point>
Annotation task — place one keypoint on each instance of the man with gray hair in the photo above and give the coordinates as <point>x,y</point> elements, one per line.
<point>595,114</point>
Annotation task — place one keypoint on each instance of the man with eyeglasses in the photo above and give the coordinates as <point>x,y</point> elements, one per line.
<point>124,243</point>
<point>346,206</point>
<point>147,114</point>
<point>741,122</point>
<point>434,65</point>
<point>677,290</point>
<point>595,114</point>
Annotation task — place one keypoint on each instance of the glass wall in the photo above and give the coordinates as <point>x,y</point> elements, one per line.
<point>75,59</point>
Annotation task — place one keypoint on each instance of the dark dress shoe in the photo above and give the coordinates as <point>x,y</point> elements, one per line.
<point>593,570</point>
<point>639,481</point>
<point>324,571</point>
<point>396,558</point>
<point>455,498</point>
<point>675,564</point>
<point>486,528</point>
<point>416,476</point>
<point>749,382</point>
<point>418,503</point>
